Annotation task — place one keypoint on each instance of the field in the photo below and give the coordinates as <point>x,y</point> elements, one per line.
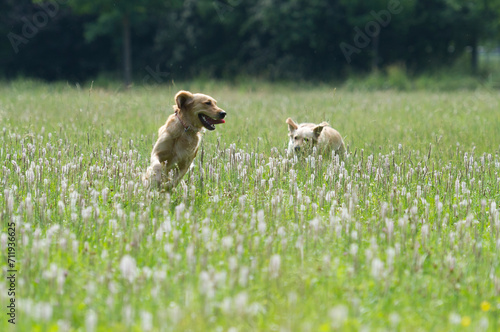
<point>402,234</point>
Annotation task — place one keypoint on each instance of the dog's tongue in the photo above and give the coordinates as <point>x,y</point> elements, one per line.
<point>213,121</point>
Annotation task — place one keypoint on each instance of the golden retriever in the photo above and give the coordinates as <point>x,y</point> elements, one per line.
<point>303,137</point>
<point>179,138</point>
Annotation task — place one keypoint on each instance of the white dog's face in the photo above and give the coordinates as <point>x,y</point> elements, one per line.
<point>302,137</point>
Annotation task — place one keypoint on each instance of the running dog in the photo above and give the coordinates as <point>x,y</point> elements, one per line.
<point>305,136</point>
<point>179,138</point>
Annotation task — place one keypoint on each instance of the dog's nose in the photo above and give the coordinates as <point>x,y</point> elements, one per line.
<point>297,148</point>
<point>222,115</point>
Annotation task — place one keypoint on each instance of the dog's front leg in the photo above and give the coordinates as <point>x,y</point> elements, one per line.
<point>182,168</point>
<point>154,171</point>
<point>159,155</point>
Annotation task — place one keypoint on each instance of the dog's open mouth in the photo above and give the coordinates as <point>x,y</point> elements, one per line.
<point>208,122</point>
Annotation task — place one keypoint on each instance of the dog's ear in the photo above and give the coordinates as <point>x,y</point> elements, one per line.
<point>292,126</point>
<point>318,129</point>
<point>183,99</point>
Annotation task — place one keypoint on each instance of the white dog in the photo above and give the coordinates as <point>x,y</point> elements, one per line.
<point>305,136</point>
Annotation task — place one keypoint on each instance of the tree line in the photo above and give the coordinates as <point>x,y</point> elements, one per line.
<point>156,41</point>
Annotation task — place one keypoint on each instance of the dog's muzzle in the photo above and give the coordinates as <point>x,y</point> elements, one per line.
<point>209,122</point>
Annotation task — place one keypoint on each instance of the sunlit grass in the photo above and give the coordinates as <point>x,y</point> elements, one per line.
<point>401,234</point>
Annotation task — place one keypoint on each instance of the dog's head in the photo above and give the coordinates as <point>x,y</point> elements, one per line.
<point>199,110</point>
<point>304,136</point>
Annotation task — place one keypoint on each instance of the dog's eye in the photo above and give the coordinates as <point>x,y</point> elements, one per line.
<point>208,103</point>
<point>295,138</point>
<point>306,139</point>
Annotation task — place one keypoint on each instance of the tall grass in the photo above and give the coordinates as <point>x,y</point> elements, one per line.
<point>402,234</point>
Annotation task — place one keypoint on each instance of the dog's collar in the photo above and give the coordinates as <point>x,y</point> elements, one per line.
<point>186,128</point>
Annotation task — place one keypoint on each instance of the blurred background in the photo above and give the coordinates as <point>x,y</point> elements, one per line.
<point>154,41</point>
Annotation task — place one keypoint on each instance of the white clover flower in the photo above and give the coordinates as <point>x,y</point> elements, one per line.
<point>483,324</point>
<point>10,204</point>
<point>232,263</point>
<point>63,325</point>
<point>274,266</point>
<point>146,320</point>
<point>243,276</point>
<point>240,302</point>
<point>174,312</point>
<point>128,315</point>
<point>424,231</point>
<point>391,254</point>
<point>377,268</point>
<point>30,176</point>
<point>227,242</point>
<point>86,214</point>
<point>338,315</point>
<point>395,319</point>
<point>226,305</point>
<point>29,205</point>
<point>90,320</point>
<point>454,318</point>
<point>3,240</point>
<point>190,256</point>
<point>353,249</point>
<point>128,268</point>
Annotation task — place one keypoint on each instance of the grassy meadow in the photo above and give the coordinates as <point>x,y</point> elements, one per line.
<point>401,235</point>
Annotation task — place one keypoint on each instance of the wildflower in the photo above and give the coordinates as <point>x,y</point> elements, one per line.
<point>339,315</point>
<point>10,203</point>
<point>389,224</point>
<point>465,321</point>
<point>178,211</point>
<point>86,214</point>
<point>377,270</point>
<point>128,315</point>
<point>454,318</point>
<point>425,231</point>
<point>414,210</point>
<point>227,242</point>
<point>146,320</point>
<point>240,302</point>
<point>243,277</point>
<point>41,311</point>
<point>485,306</point>
<point>190,254</point>
<point>63,325</point>
<point>353,250</point>
<point>128,268</point>
<point>90,320</point>
<point>29,205</point>
<point>206,284</point>
<point>226,305</point>
<point>391,253</point>
<point>30,176</point>
<point>483,324</point>
<point>274,266</point>
<point>232,263</point>
<point>394,318</point>
<point>3,240</point>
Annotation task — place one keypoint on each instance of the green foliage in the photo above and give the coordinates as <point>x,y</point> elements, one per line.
<point>274,40</point>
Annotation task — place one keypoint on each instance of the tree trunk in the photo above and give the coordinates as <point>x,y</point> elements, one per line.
<point>376,58</point>
<point>474,53</point>
<point>127,58</point>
